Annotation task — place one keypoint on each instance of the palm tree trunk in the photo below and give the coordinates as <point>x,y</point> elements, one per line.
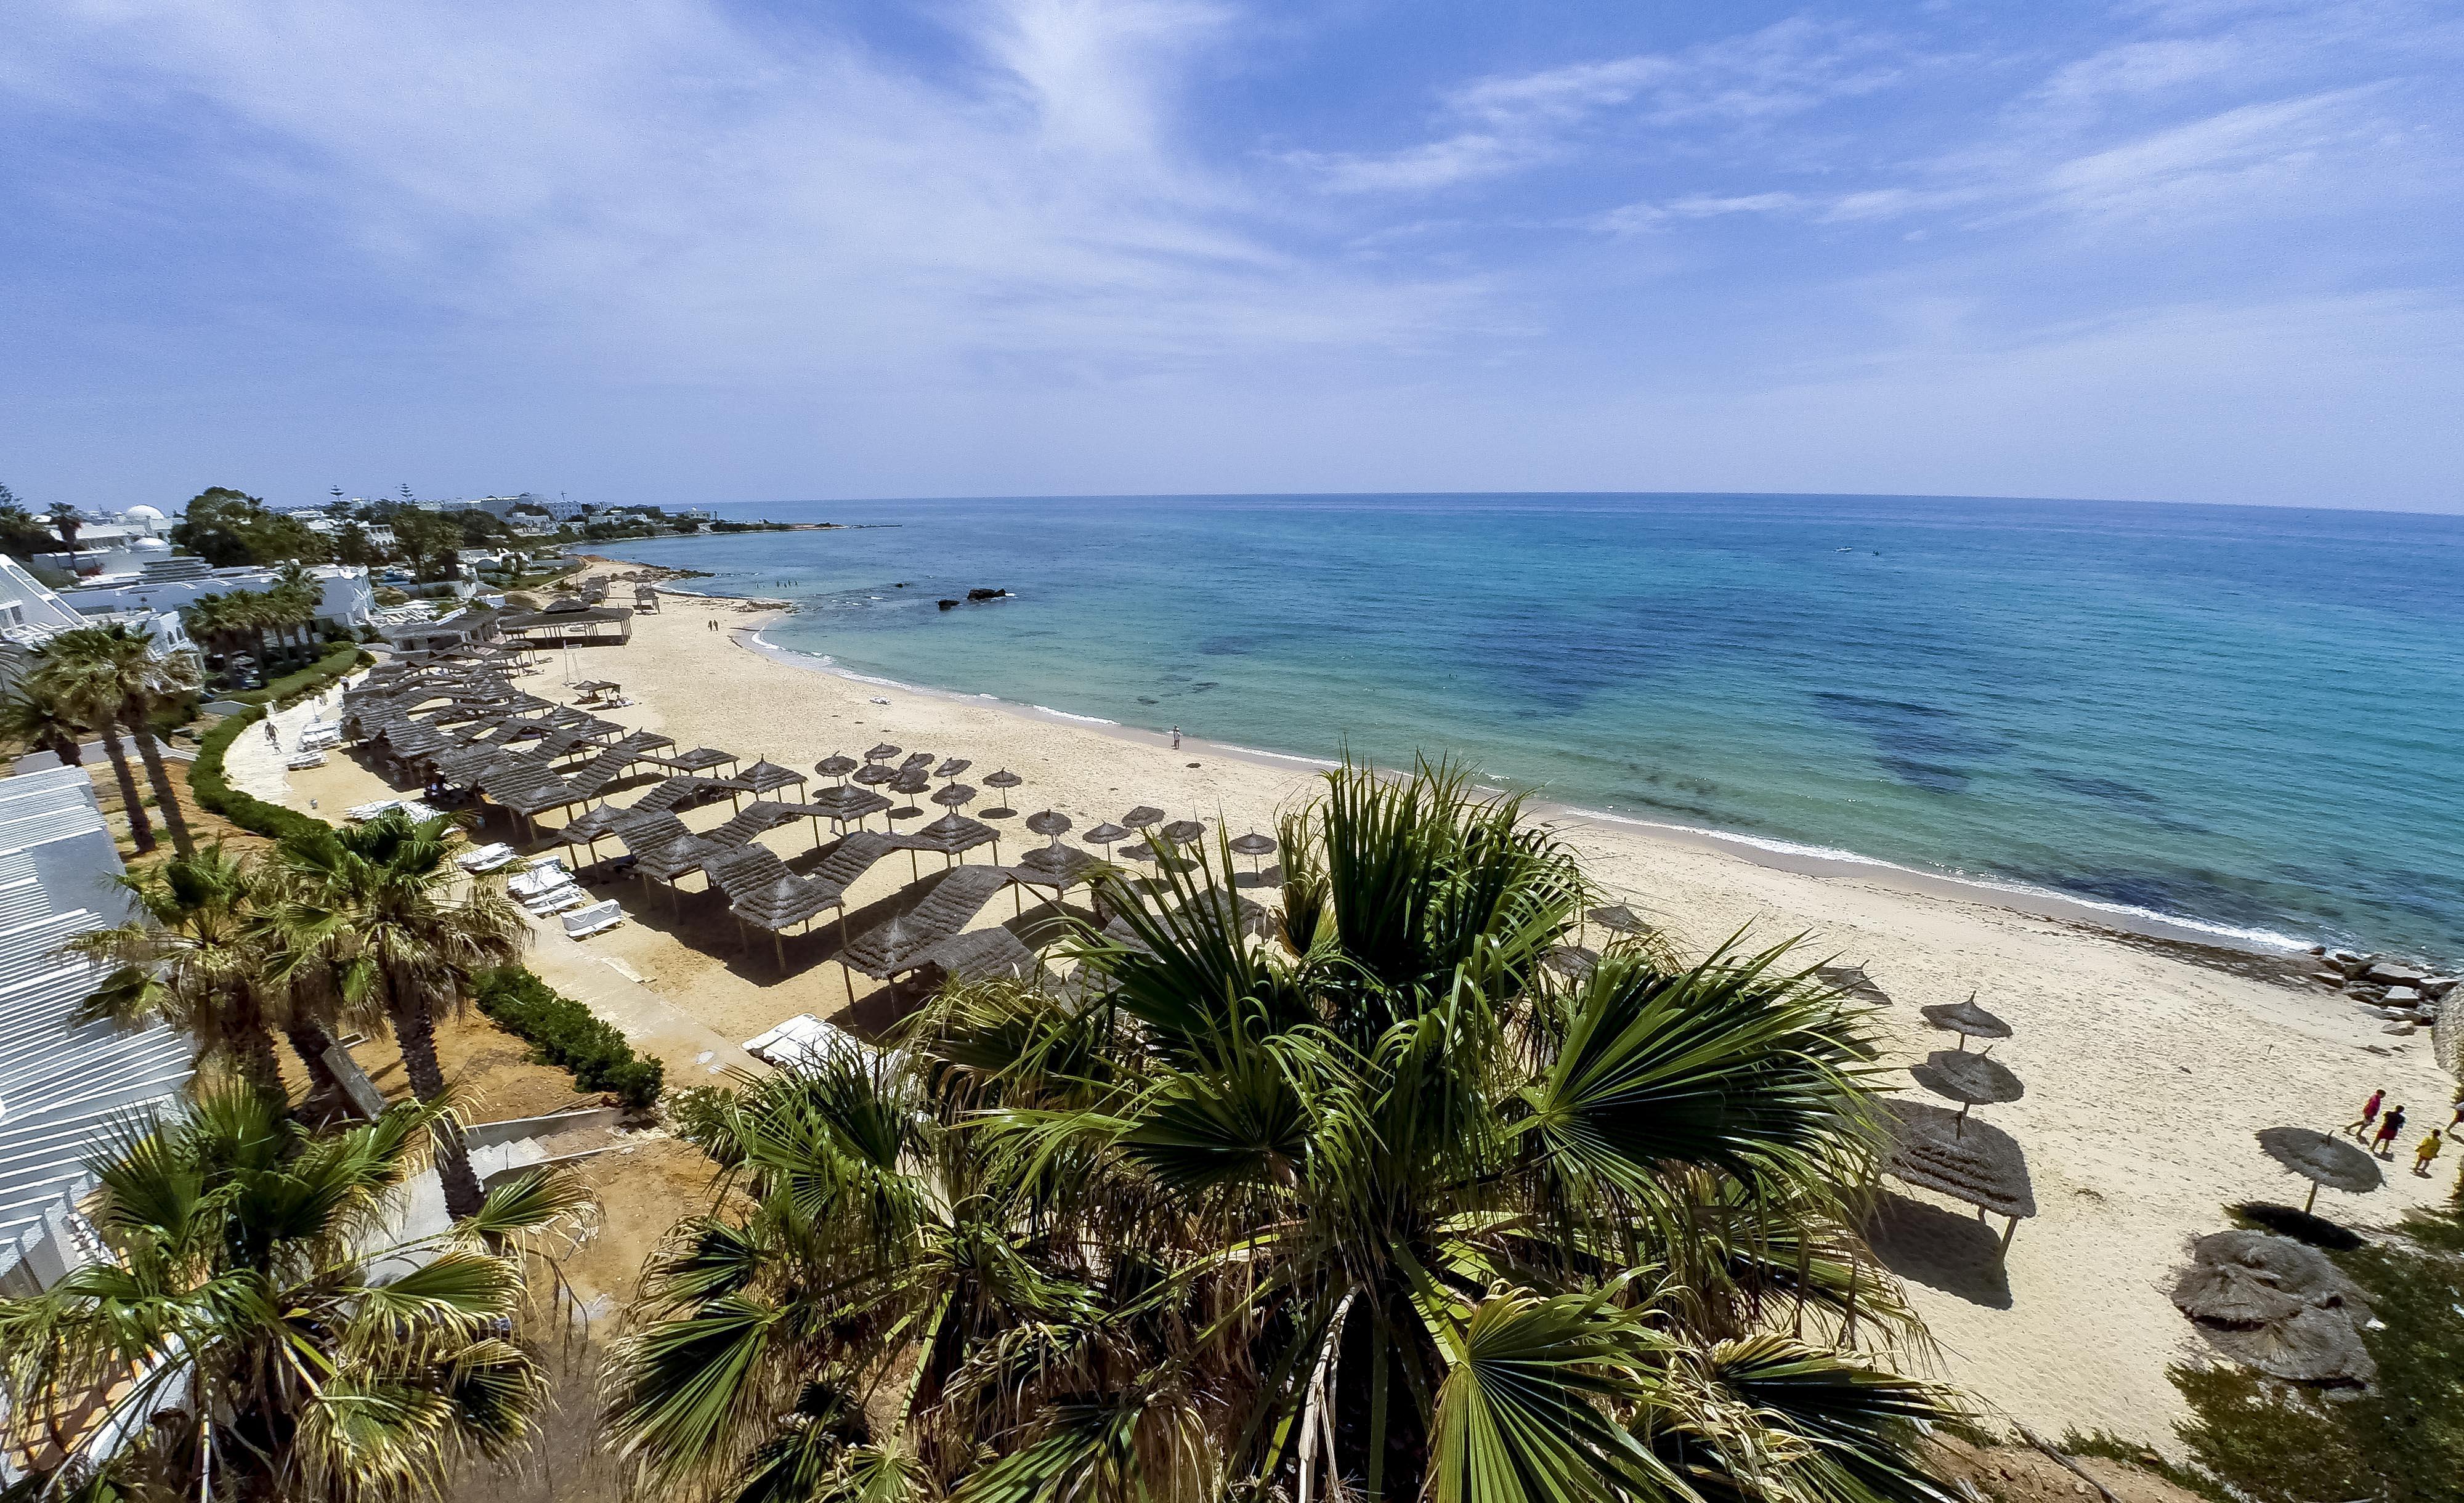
<point>415,1031</point>
<point>140,829</point>
<point>167,798</point>
<point>65,747</point>
<point>310,1042</point>
<point>253,1041</point>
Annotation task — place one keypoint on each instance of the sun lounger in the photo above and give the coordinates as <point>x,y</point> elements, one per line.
<point>486,858</point>
<point>541,874</point>
<point>368,812</point>
<point>597,918</point>
<point>556,900</point>
<point>304,761</point>
<point>804,1039</point>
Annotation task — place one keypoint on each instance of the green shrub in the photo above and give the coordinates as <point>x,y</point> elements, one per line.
<point>565,1032</point>
<point>292,688</point>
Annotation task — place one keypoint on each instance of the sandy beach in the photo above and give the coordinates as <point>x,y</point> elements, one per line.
<point>2148,1072</point>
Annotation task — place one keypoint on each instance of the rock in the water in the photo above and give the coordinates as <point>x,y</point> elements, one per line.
<point>2436,985</point>
<point>986,595</point>
<point>2352,966</point>
<point>2397,1027</point>
<point>949,605</point>
<point>2342,957</point>
<point>2402,997</point>
<point>2387,975</point>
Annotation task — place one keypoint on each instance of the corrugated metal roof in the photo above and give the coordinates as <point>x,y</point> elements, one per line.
<point>63,1085</point>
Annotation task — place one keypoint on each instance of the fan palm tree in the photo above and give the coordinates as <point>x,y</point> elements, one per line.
<point>84,691</point>
<point>1394,1212</point>
<point>264,1335</point>
<point>369,917</point>
<point>31,719</point>
<point>117,665</point>
<point>205,958</point>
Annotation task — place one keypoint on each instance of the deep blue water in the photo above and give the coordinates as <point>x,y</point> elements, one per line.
<point>2249,718</point>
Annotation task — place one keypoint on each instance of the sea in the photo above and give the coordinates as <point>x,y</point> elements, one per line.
<point>2247,720</point>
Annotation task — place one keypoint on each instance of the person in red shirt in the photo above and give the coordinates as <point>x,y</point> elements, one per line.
<point>2369,1114</point>
<point>2383,1145</point>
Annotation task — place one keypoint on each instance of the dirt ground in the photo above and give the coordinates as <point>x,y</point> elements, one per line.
<point>2024,1474</point>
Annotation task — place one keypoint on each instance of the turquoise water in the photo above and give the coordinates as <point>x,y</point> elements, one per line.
<point>2252,718</point>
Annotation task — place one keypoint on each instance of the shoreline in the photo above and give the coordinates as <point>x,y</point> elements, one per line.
<point>2190,935</point>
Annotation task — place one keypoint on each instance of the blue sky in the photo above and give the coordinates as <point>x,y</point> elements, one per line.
<point>681,249</point>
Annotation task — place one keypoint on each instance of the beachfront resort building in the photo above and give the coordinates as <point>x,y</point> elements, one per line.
<point>64,1085</point>
<point>347,597</point>
<point>31,613</point>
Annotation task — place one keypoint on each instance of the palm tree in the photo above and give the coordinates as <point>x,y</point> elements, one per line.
<point>205,958</point>
<point>31,719</point>
<point>81,690</point>
<point>1398,1212</point>
<point>264,1333</point>
<point>118,664</point>
<point>369,918</point>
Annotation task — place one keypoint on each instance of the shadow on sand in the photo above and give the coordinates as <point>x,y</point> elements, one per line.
<point>1944,1250</point>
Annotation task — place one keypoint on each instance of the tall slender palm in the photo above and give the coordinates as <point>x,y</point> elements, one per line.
<point>31,719</point>
<point>120,664</point>
<point>369,913</point>
<point>81,689</point>
<point>205,958</point>
<point>1398,1212</point>
<point>264,1333</point>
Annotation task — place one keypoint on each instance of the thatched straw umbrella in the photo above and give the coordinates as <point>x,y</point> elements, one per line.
<point>952,767</point>
<point>2311,1346</point>
<point>2321,1160</point>
<point>1003,779</point>
<point>2232,1295</point>
<point>2296,1268</point>
<point>1256,847</point>
<point>836,767</point>
<point>1617,919</point>
<point>881,752</point>
<point>1144,815</point>
<point>1571,960</point>
<point>1968,1079</point>
<point>1966,1019</point>
<point>911,779</point>
<point>956,796</point>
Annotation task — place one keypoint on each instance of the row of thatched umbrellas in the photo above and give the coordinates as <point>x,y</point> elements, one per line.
<point>915,774</point>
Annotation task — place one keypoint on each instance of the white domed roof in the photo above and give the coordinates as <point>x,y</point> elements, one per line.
<point>144,514</point>
<point>150,544</point>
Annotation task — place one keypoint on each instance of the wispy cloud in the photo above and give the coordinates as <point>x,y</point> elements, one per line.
<point>1499,124</point>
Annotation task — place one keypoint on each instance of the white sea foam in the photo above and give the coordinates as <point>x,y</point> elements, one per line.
<point>2269,937</point>
<point>1276,756</point>
<point>1064,714</point>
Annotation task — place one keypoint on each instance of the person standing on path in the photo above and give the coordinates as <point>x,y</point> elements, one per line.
<point>2383,1145</point>
<point>2425,1151</point>
<point>1176,737</point>
<point>2369,1114</point>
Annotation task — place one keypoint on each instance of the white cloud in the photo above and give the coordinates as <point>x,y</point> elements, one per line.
<point>1509,122</point>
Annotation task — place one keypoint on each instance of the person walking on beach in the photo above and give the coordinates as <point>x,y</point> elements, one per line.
<point>1176,737</point>
<point>2383,1145</point>
<point>2425,1151</point>
<point>2369,1114</point>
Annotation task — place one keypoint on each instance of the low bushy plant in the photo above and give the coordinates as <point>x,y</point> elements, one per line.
<point>565,1032</point>
<point>213,791</point>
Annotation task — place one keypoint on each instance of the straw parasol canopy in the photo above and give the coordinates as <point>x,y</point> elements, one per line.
<point>1617,919</point>
<point>1144,815</point>
<point>1972,1079</point>
<point>922,758</point>
<point>836,767</point>
<point>872,773</point>
<point>1571,960</point>
<point>1049,822</point>
<point>2231,1294</point>
<point>1001,780</point>
<point>954,795</point>
<point>881,753</point>
<point>1966,1019</point>
<point>1184,831</point>
<point>952,767</point>
<point>2321,1160</point>
<point>1253,844</point>
<point>1106,834</point>
<point>2312,1346</point>
<point>2296,1268</point>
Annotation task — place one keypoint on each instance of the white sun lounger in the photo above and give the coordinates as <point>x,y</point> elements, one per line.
<point>556,900</point>
<point>805,1039</point>
<point>486,858</point>
<point>368,812</point>
<point>543,875</point>
<point>597,918</point>
<point>304,761</point>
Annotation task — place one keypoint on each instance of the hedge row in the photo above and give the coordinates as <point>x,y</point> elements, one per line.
<point>565,1032</point>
